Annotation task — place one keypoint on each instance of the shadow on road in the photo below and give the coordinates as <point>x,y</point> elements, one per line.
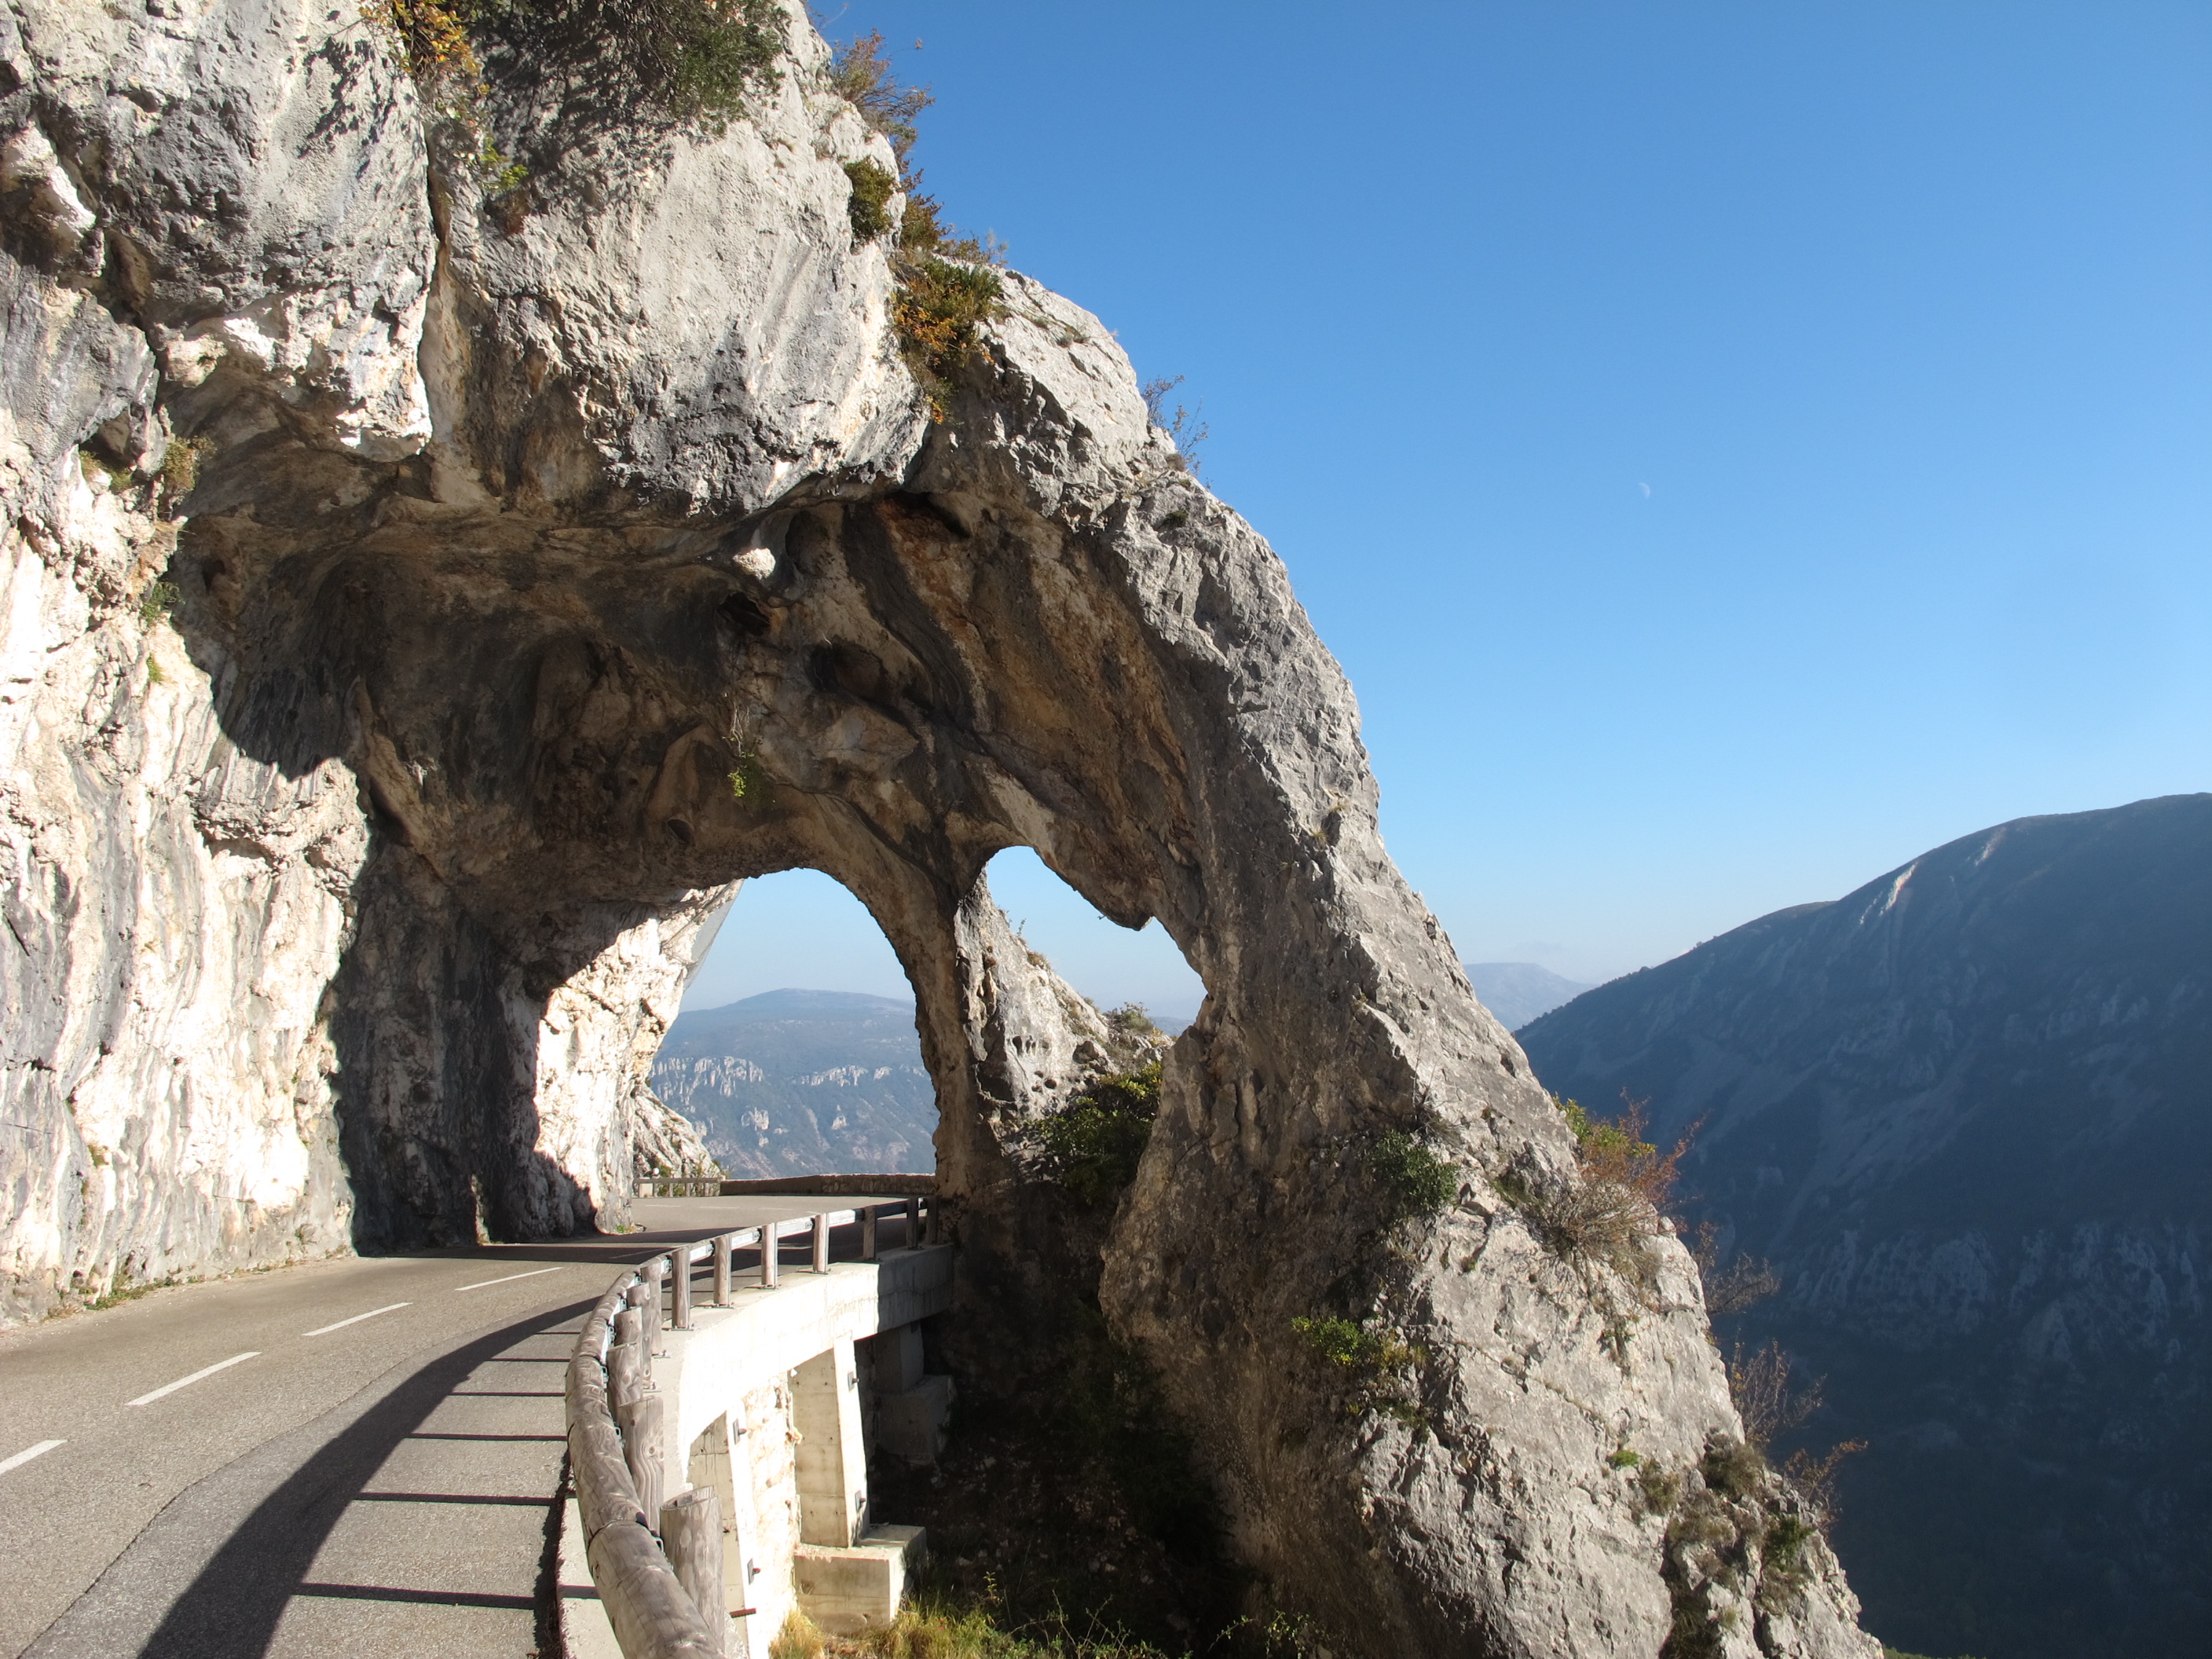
<point>231,1609</point>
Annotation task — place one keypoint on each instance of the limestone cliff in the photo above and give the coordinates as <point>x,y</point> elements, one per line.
<point>522,571</point>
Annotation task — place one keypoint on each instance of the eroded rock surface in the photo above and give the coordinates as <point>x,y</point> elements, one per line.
<point>555,562</point>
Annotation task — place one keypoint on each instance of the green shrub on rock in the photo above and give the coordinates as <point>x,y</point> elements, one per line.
<point>1092,1148</point>
<point>1412,1180</point>
<point>869,208</point>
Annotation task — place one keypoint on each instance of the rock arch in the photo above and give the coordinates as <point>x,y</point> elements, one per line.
<point>523,528</point>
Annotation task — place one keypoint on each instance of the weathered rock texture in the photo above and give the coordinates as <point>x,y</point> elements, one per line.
<point>522,526</point>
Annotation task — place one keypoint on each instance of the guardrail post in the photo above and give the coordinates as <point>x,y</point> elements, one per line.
<point>868,1232</point>
<point>645,1304</point>
<point>655,1275</point>
<point>769,1250</point>
<point>679,1291</point>
<point>724,1243</point>
<point>912,1223</point>
<point>691,1533</point>
<point>641,1422</point>
<point>626,1376</point>
<point>821,1243</point>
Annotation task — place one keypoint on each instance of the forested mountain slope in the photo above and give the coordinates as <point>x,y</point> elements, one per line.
<point>1966,1112</point>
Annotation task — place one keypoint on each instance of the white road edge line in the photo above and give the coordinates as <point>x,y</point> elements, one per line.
<point>28,1452</point>
<point>510,1278</point>
<point>357,1318</point>
<point>186,1381</point>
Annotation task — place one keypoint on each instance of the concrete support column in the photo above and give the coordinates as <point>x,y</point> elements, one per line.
<point>718,1461</point>
<point>832,1463</point>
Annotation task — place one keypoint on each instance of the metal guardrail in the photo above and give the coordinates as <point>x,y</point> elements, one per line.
<point>657,1565</point>
<point>819,1186</point>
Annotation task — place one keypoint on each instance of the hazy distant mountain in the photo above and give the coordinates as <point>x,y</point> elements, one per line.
<point>802,1082</point>
<point>1967,1112</point>
<point>1516,992</point>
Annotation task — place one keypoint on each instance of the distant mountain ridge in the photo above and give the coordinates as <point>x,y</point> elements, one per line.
<point>797,1082</point>
<point>1517,992</point>
<point>1967,1112</point>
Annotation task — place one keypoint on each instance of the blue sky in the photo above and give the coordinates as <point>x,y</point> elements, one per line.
<point>1731,447</point>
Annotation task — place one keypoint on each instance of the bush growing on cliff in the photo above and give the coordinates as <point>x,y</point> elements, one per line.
<point>181,463</point>
<point>1614,1150</point>
<point>948,287</point>
<point>868,208</point>
<point>701,57</point>
<point>1132,1019</point>
<point>1605,1217</point>
<point>940,311</point>
<point>690,61</point>
<point>1769,1405</point>
<point>1374,1363</point>
<point>1412,1180</point>
<point>159,600</point>
<point>748,782</point>
<point>1180,423</point>
<point>1733,1286</point>
<point>861,74</point>
<point>1092,1148</point>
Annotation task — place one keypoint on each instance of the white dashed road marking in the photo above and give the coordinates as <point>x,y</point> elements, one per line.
<point>28,1452</point>
<point>326,1329</point>
<point>510,1279</point>
<point>186,1381</point>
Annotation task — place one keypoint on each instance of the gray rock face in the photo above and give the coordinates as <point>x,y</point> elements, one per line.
<point>557,562</point>
<point>1962,1109</point>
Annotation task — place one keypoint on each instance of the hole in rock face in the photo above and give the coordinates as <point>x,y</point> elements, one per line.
<point>853,670</point>
<point>1110,964</point>
<point>742,617</point>
<point>796,1052</point>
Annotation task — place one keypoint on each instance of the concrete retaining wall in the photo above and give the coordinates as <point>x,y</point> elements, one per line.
<point>777,1402</point>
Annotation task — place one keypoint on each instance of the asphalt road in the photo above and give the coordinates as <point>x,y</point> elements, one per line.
<point>353,1457</point>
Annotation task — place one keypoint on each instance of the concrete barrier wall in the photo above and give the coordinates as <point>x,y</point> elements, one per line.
<point>776,1403</point>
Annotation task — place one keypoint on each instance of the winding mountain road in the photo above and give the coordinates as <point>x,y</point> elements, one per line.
<point>353,1457</point>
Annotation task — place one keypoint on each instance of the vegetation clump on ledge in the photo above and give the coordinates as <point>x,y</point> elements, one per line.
<point>1412,1180</point>
<point>692,61</point>
<point>870,206</point>
<point>1092,1148</point>
<point>1605,1217</point>
<point>1377,1367</point>
<point>948,283</point>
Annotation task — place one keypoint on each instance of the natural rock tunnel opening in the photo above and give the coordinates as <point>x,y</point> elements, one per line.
<point>797,1053</point>
<point>572,752</point>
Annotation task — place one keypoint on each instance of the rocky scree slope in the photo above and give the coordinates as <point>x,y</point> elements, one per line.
<point>1964,1113</point>
<point>401,581</point>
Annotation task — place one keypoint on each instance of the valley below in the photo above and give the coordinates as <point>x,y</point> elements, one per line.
<point>803,1082</point>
